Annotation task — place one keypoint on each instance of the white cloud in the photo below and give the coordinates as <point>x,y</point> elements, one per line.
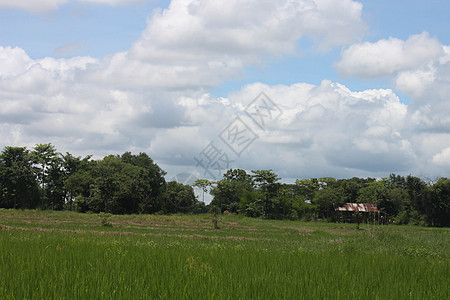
<point>13,61</point>
<point>40,7</point>
<point>324,130</point>
<point>415,82</point>
<point>199,44</point>
<point>386,57</point>
<point>443,157</point>
<point>213,30</point>
<point>152,97</point>
<point>419,67</point>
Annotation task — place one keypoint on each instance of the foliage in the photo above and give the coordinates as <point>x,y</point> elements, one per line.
<point>128,184</point>
<point>43,178</point>
<point>104,219</point>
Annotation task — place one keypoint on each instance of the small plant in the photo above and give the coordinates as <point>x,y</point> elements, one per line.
<point>105,219</point>
<point>215,220</point>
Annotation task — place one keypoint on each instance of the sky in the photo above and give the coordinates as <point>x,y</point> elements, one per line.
<point>307,88</point>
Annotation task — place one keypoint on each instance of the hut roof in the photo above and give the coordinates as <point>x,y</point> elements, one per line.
<point>362,207</point>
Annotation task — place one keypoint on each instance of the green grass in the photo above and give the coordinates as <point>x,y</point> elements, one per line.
<point>63,255</point>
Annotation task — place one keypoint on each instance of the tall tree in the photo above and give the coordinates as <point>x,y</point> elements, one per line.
<point>47,164</point>
<point>440,203</point>
<point>18,187</point>
<point>307,187</point>
<point>229,191</point>
<point>151,172</point>
<point>179,198</point>
<point>268,185</point>
<point>75,172</point>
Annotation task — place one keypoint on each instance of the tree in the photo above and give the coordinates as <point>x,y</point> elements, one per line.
<point>117,187</point>
<point>47,164</point>
<point>419,195</point>
<point>179,198</point>
<point>268,185</point>
<point>325,198</point>
<point>440,203</point>
<point>229,191</point>
<point>307,187</point>
<point>78,188</point>
<point>18,187</point>
<point>351,188</point>
<point>151,173</point>
<point>76,177</point>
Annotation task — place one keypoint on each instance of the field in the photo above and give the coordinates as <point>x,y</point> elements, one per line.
<point>64,255</point>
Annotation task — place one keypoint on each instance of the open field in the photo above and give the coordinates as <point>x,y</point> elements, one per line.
<point>63,255</point>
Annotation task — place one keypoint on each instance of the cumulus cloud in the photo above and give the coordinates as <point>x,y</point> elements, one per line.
<point>214,31</point>
<point>323,130</point>
<point>199,44</point>
<point>386,57</point>
<point>13,61</point>
<point>419,68</point>
<point>443,157</point>
<point>153,97</point>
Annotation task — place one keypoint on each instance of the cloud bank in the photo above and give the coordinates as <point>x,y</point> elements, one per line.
<point>154,97</point>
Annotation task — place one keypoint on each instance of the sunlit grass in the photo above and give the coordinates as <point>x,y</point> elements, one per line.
<point>63,255</point>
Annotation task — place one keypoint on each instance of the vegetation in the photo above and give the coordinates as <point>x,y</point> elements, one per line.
<point>403,200</point>
<point>118,184</point>
<point>67,255</point>
<point>128,184</point>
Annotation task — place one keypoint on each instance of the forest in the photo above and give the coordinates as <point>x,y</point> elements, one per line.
<point>45,179</point>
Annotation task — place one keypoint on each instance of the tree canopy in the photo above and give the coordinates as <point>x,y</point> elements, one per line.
<point>121,184</point>
<point>125,184</point>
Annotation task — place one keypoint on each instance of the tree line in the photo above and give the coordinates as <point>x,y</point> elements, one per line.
<point>126,184</point>
<point>121,184</point>
<point>403,200</point>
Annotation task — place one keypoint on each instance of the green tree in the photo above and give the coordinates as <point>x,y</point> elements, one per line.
<point>229,191</point>
<point>307,187</point>
<point>76,177</point>
<point>151,181</point>
<point>440,203</point>
<point>47,163</point>
<point>18,186</point>
<point>325,199</point>
<point>116,186</point>
<point>419,195</point>
<point>179,198</point>
<point>268,185</point>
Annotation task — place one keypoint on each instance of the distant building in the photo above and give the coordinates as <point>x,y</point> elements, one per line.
<point>361,207</point>
<point>346,213</point>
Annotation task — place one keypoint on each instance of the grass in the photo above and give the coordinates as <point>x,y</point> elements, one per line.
<point>64,255</point>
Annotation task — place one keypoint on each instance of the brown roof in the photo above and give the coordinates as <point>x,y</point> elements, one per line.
<point>362,207</point>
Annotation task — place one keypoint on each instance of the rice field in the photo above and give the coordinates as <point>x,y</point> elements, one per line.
<point>64,255</point>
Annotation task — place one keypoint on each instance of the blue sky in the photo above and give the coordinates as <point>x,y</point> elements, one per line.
<point>362,84</point>
<point>97,30</point>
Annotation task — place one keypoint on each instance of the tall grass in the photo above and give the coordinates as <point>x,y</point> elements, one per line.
<point>327,263</point>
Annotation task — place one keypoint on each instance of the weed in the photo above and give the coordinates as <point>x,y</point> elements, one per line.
<point>104,219</point>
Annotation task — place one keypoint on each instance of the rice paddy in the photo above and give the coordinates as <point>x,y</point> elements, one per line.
<point>64,255</point>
